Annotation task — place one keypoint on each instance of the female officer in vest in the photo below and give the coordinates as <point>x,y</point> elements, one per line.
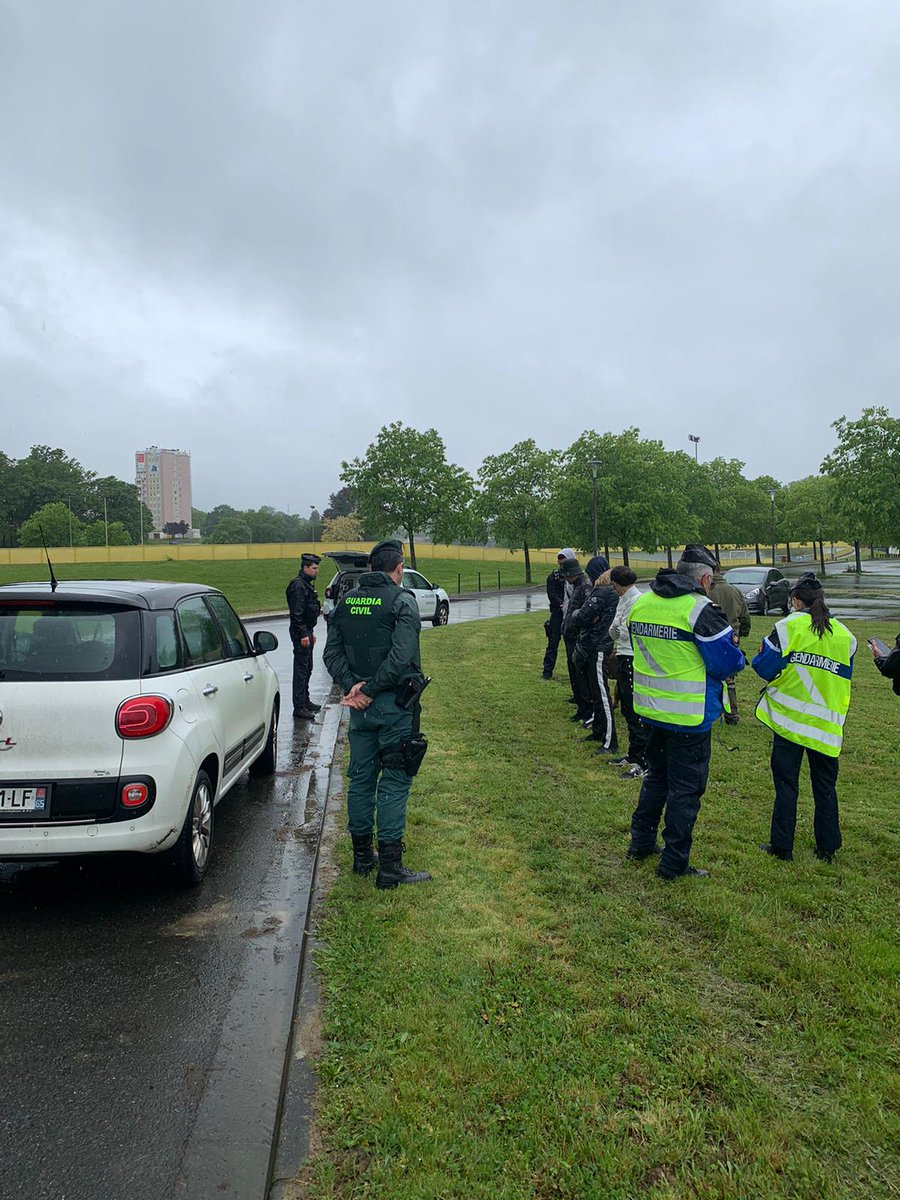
<point>807,660</point>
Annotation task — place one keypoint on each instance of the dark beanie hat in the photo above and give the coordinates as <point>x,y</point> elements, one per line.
<point>596,567</point>
<point>570,567</point>
<point>698,554</point>
<point>806,583</point>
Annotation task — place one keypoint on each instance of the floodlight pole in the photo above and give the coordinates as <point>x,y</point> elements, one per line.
<point>594,465</point>
<point>772,498</point>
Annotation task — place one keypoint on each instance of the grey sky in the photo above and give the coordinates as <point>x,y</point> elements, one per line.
<point>259,231</point>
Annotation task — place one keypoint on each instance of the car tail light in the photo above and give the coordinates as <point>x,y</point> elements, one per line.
<point>143,716</point>
<point>135,794</point>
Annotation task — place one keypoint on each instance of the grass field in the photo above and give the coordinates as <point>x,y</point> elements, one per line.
<point>548,1021</point>
<point>258,586</point>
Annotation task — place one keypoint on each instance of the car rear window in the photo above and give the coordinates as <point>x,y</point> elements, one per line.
<point>745,576</point>
<point>62,640</point>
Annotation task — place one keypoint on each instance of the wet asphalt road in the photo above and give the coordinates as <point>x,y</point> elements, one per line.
<point>116,985</point>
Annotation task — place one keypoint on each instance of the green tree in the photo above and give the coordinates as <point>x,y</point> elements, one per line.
<point>122,505</point>
<point>514,497</point>
<point>198,518</point>
<point>54,520</point>
<point>219,513</point>
<point>347,528</point>
<point>865,467</point>
<point>341,503</point>
<point>404,481</point>
<point>46,476</point>
<point>641,499</point>
<point>7,501</point>
<point>231,529</point>
<point>101,533</point>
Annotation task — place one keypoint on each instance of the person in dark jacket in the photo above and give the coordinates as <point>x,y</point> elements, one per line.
<point>556,591</point>
<point>889,664</point>
<point>304,607</point>
<point>734,606</point>
<point>372,653</point>
<point>592,651</point>
<point>577,590</point>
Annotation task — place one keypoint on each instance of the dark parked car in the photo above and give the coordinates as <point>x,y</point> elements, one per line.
<point>764,588</point>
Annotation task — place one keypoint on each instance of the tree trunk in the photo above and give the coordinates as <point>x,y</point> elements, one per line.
<point>625,556</point>
<point>822,556</point>
<point>716,548</point>
<point>871,552</point>
<point>606,550</point>
<point>669,556</point>
<point>527,564</point>
<point>412,549</point>
<point>758,556</point>
<point>787,550</point>
<point>858,559</point>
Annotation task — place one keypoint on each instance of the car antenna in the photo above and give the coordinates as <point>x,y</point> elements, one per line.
<point>54,582</point>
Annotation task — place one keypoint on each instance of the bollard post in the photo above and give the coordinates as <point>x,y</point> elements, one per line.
<point>479,581</point>
<point>458,583</point>
<point>498,580</point>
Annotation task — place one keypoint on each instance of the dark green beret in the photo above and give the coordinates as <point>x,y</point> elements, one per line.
<point>387,544</point>
<point>309,560</point>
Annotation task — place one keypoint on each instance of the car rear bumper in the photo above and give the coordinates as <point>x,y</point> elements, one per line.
<point>145,835</point>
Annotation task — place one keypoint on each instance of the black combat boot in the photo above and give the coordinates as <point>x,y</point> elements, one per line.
<point>363,858</point>
<point>391,870</point>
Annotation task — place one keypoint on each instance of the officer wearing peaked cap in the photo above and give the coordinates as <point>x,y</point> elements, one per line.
<point>304,607</point>
<point>372,653</point>
<point>684,648</point>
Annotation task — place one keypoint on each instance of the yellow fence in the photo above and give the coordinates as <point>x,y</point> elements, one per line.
<point>185,552</point>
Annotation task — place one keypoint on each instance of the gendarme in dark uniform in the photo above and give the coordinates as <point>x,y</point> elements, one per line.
<point>372,653</point>
<point>304,607</point>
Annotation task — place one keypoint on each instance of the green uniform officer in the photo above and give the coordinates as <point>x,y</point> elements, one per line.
<point>372,653</point>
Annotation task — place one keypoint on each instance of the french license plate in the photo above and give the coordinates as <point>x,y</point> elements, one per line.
<point>24,798</point>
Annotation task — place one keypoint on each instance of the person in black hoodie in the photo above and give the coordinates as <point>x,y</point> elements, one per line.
<point>556,590</point>
<point>889,664</point>
<point>592,651</point>
<point>577,591</point>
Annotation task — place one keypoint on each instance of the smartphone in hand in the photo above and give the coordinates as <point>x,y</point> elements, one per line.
<point>877,646</point>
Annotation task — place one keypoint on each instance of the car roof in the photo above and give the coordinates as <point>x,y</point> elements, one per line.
<point>139,593</point>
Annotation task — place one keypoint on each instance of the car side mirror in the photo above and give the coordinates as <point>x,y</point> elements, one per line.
<point>264,642</point>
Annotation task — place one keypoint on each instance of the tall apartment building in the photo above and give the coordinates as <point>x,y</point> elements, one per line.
<point>163,479</point>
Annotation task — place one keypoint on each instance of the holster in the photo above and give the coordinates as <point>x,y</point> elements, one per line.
<point>404,756</point>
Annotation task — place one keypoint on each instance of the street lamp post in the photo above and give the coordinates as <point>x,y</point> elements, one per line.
<point>772,526</point>
<point>312,521</point>
<point>696,440</point>
<point>69,502</point>
<point>594,464</point>
<point>105,522</point>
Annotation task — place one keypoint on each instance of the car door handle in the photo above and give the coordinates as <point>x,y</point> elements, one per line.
<point>210,689</point>
<point>248,675</point>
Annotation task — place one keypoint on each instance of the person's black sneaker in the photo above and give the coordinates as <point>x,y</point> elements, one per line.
<point>571,700</point>
<point>615,759</point>
<point>305,714</point>
<point>731,719</point>
<point>579,716</point>
<point>698,871</point>
<point>546,677</point>
<point>825,856</point>
<point>589,737</point>
<point>784,855</point>
<point>640,855</point>
<point>314,707</point>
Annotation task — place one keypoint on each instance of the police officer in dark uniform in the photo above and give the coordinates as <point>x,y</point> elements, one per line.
<point>304,607</point>
<point>372,653</point>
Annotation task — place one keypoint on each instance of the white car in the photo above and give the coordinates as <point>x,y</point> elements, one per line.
<point>433,601</point>
<point>127,711</point>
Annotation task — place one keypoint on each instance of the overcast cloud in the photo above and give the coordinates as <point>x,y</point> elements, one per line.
<point>261,230</point>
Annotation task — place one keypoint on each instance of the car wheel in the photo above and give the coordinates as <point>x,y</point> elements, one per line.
<point>442,616</point>
<point>265,764</point>
<point>189,857</point>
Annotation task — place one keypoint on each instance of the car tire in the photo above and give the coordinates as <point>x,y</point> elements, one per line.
<point>189,857</point>
<point>265,764</point>
<point>442,616</point>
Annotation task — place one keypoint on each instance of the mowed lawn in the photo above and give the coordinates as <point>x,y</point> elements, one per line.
<point>258,585</point>
<point>548,1020</point>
